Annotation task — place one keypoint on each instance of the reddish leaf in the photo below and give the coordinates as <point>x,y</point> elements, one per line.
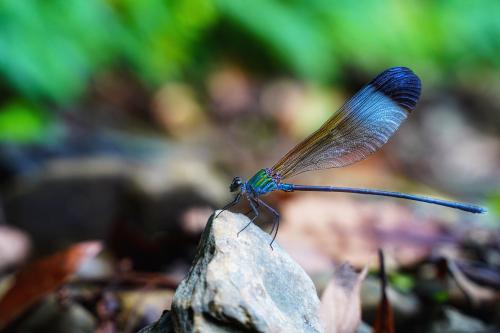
<point>42,277</point>
<point>384,320</point>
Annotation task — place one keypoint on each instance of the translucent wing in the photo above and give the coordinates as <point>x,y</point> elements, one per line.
<point>361,126</point>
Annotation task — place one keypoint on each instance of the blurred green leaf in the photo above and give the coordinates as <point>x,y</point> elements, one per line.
<point>21,123</point>
<point>49,50</point>
<point>441,296</point>
<point>158,34</point>
<point>291,32</point>
<point>493,204</point>
<point>403,282</point>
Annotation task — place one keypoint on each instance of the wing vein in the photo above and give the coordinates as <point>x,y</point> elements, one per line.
<point>360,127</point>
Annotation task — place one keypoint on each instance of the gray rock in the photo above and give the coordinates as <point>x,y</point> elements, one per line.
<point>163,325</point>
<point>239,284</point>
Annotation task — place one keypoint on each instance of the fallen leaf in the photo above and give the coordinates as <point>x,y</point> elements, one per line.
<point>343,229</point>
<point>14,246</point>
<point>475,292</point>
<point>481,273</point>
<point>42,277</point>
<point>340,309</point>
<point>384,319</point>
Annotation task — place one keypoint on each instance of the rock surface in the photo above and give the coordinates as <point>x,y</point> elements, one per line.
<point>239,284</point>
<point>163,325</point>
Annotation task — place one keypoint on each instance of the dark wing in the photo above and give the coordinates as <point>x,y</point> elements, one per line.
<point>361,126</point>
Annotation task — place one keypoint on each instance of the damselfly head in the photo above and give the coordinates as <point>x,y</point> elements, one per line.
<point>236,184</point>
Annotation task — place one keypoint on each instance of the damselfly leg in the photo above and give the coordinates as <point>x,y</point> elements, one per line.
<point>276,222</point>
<point>253,205</point>
<point>229,205</point>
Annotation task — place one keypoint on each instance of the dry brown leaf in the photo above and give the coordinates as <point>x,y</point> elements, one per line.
<point>42,277</point>
<point>345,229</point>
<point>474,291</point>
<point>340,309</point>
<point>384,319</point>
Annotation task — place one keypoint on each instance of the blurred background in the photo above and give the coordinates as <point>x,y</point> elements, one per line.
<point>124,121</point>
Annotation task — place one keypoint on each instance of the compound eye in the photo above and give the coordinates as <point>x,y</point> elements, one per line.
<point>235,184</point>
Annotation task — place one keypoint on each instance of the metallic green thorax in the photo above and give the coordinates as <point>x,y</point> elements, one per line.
<point>261,183</point>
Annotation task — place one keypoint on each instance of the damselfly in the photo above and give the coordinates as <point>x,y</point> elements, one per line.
<point>360,127</point>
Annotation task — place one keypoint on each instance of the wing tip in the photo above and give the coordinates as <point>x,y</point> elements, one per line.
<point>401,84</point>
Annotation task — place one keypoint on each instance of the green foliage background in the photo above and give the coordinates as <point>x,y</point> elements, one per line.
<point>49,50</point>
